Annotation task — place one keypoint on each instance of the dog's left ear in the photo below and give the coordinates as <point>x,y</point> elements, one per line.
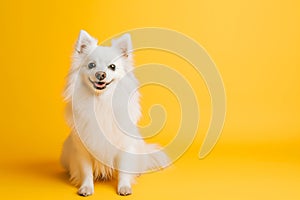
<point>85,43</point>
<point>123,44</point>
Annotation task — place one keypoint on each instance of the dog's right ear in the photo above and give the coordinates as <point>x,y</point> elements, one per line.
<point>85,43</point>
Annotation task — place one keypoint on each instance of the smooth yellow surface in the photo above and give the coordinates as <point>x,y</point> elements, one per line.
<point>255,45</point>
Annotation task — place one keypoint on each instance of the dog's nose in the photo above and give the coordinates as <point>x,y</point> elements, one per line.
<point>100,75</point>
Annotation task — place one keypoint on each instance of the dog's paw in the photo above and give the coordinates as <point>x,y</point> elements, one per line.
<point>124,191</point>
<point>85,191</point>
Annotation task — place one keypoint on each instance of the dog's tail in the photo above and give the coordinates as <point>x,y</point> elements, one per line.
<point>146,158</point>
<point>155,158</point>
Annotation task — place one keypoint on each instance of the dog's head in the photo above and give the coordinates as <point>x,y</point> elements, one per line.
<point>101,66</point>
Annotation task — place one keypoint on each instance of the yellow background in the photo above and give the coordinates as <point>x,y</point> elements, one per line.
<point>255,45</point>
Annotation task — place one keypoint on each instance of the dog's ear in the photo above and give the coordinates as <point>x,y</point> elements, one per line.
<point>85,43</point>
<point>124,44</point>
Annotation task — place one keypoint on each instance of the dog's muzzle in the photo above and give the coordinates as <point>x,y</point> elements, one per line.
<point>100,85</point>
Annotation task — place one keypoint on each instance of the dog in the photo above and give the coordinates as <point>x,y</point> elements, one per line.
<point>102,110</point>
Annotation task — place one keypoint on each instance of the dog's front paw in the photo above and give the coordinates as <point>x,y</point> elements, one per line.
<point>85,191</point>
<point>124,191</point>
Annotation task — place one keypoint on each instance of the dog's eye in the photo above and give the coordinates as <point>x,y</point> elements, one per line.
<point>91,65</point>
<point>112,67</point>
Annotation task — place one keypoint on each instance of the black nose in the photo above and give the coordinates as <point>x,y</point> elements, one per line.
<point>100,75</point>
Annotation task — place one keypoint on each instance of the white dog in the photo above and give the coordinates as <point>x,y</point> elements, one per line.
<point>103,110</point>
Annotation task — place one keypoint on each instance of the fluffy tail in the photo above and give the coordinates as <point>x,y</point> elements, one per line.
<point>155,159</point>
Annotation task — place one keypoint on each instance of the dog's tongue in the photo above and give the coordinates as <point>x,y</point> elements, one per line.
<point>100,84</point>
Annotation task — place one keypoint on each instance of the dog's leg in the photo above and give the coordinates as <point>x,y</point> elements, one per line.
<point>81,171</point>
<point>87,185</point>
<point>124,183</point>
<point>79,164</point>
<point>126,176</point>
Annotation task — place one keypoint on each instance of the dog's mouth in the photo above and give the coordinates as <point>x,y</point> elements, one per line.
<point>100,85</point>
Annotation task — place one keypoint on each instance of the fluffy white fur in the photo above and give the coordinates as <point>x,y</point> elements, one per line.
<point>104,140</point>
